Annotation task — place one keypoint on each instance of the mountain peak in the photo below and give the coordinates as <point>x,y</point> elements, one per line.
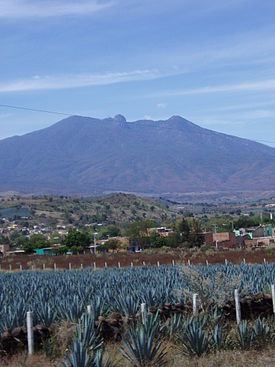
<point>86,155</point>
<point>180,121</point>
<point>120,118</point>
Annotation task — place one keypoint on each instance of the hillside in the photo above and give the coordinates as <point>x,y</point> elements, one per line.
<point>81,155</point>
<point>115,208</point>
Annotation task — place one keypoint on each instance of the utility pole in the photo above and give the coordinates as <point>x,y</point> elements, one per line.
<point>215,231</point>
<point>95,233</point>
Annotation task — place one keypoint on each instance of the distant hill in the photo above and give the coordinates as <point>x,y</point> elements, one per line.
<point>81,155</point>
<point>108,209</point>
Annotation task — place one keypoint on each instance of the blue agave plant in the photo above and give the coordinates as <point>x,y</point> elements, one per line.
<point>142,347</point>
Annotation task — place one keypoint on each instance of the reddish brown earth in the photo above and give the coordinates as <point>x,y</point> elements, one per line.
<point>125,259</point>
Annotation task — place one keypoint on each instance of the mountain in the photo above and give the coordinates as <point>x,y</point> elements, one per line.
<point>82,155</point>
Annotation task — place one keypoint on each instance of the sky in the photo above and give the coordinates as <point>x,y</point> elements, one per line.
<point>210,61</point>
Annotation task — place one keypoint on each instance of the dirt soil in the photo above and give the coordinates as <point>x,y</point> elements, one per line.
<point>125,259</point>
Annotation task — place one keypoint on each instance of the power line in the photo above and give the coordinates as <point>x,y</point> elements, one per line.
<point>35,110</point>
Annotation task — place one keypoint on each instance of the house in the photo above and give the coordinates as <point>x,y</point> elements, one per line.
<point>45,251</point>
<point>162,231</point>
<point>16,252</point>
<point>4,249</point>
<point>259,242</point>
<point>222,239</point>
<point>259,231</point>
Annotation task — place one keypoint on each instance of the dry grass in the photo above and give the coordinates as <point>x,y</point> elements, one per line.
<point>63,335</point>
<point>263,358</point>
<point>22,360</point>
<point>253,358</point>
<point>175,358</point>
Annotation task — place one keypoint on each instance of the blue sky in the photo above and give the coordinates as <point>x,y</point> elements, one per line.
<point>211,61</point>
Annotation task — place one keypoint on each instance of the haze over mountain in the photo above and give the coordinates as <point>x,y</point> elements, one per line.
<point>82,155</point>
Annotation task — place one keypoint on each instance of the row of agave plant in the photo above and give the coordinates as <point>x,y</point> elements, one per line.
<point>145,344</point>
<point>64,295</point>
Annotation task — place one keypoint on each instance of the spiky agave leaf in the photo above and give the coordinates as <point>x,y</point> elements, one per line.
<point>98,360</point>
<point>261,330</point>
<point>78,357</point>
<point>245,335</point>
<point>141,348</point>
<point>88,333</point>
<point>194,339</point>
<point>218,337</point>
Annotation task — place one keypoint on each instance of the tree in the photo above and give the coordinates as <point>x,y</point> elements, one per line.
<point>196,236</point>
<point>111,230</point>
<point>156,240</point>
<point>77,238</point>
<point>36,241</point>
<point>137,232</point>
<point>112,244</point>
<point>183,228</point>
<point>173,240</point>
<point>63,250</point>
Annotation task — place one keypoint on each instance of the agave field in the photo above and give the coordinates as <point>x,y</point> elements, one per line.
<point>114,298</point>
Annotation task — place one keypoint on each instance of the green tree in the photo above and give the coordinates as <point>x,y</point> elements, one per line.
<point>196,236</point>
<point>112,244</point>
<point>183,228</point>
<point>138,234</point>
<point>77,238</point>
<point>110,230</point>
<point>36,241</point>
<point>156,240</point>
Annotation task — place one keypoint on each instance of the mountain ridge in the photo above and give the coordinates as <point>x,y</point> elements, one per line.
<point>84,155</point>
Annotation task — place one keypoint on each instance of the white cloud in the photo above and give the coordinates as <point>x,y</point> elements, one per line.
<point>264,85</point>
<point>75,81</point>
<point>235,118</point>
<point>162,105</point>
<point>244,106</point>
<point>49,8</point>
<point>147,117</point>
<point>5,115</point>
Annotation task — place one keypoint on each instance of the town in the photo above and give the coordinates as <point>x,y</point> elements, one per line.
<point>143,225</point>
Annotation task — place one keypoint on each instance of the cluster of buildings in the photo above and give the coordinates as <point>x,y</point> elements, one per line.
<point>252,237</point>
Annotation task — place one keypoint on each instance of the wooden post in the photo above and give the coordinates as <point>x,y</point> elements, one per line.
<point>143,312</point>
<point>158,264</point>
<point>238,306</point>
<point>195,304</point>
<point>273,296</point>
<point>173,262</point>
<point>30,333</point>
<point>89,309</point>
<point>118,264</point>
